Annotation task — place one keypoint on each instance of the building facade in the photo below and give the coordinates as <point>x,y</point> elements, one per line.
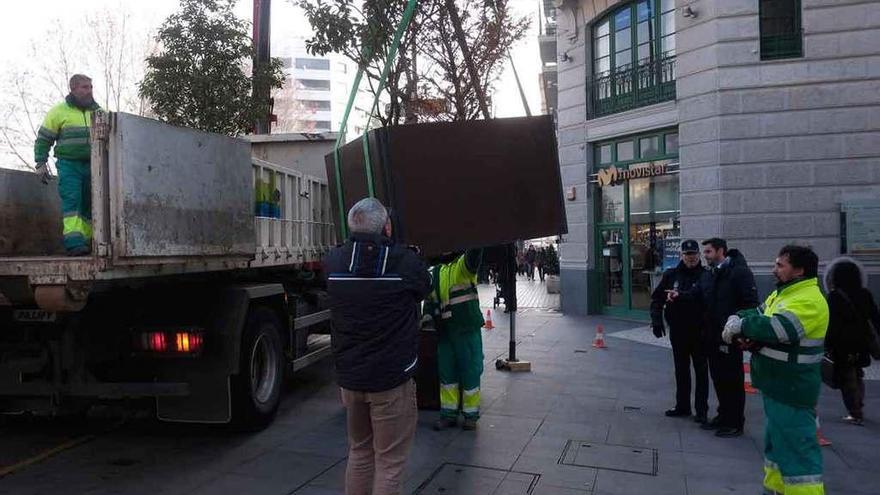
<point>753,120</point>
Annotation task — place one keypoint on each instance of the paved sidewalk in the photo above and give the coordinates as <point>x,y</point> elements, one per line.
<point>584,421</point>
<point>529,294</point>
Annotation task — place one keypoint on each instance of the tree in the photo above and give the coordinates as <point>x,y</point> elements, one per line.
<point>199,78</point>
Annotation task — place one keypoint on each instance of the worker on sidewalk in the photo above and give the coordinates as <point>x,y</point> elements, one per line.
<point>67,127</point>
<point>376,288</point>
<point>455,307</point>
<point>787,337</point>
<point>685,319</point>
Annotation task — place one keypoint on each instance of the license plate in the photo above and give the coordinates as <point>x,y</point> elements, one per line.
<point>33,316</point>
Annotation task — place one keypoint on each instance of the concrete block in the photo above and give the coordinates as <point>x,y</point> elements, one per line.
<point>764,100</point>
<point>735,8</point>
<point>705,203</point>
<point>572,116</point>
<point>574,154</point>
<point>572,136</point>
<point>841,18</point>
<point>814,147</point>
<point>696,84</point>
<point>573,76</point>
<point>738,77</point>
<point>575,213</point>
<point>574,291</point>
<point>578,233</point>
<point>822,45</point>
<point>702,131</point>
<point>698,107</point>
<point>732,202</point>
<point>694,36</point>
<point>863,144</point>
<point>789,174</point>
<point>742,176</point>
<point>574,95</point>
<point>573,252</point>
<point>699,179</point>
<point>729,152</point>
<point>737,28</point>
<point>784,124</point>
<point>742,226</point>
<point>790,225</point>
<point>700,227</point>
<point>762,150</point>
<point>698,155</point>
<point>835,94</point>
<point>738,52</point>
<point>738,127</point>
<point>812,199</point>
<point>840,120</point>
<point>765,201</point>
<point>783,73</point>
<point>826,224</point>
<point>573,174</point>
<point>833,70</point>
<point>860,171</point>
<point>696,60</point>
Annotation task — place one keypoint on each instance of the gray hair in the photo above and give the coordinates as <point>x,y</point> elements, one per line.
<point>367,216</point>
<point>78,78</point>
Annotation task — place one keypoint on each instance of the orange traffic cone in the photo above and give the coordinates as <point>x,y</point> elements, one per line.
<point>747,370</point>
<point>599,341</point>
<point>488,325</point>
<point>823,442</point>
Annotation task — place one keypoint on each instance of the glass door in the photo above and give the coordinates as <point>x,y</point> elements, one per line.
<point>612,267</point>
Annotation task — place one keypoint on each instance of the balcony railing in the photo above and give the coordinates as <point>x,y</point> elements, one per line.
<point>631,87</point>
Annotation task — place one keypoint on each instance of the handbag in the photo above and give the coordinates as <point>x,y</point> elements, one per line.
<point>828,372</point>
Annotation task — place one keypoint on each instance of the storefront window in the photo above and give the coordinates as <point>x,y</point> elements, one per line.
<point>625,151</point>
<point>612,204</point>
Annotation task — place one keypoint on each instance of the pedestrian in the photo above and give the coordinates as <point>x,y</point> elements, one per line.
<point>685,319</point>
<point>66,126</point>
<point>540,259</point>
<point>852,327</point>
<point>786,336</point>
<point>455,306</point>
<point>727,287</point>
<point>375,288</point>
<point>531,254</point>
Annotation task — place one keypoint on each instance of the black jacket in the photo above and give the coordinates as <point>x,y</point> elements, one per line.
<point>724,290</point>
<point>685,314</point>
<point>848,329</point>
<point>375,289</point>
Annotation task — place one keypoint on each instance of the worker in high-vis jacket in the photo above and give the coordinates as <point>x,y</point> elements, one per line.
<point>455,307</point>
<point>787,336</point>
<point>67,127</point>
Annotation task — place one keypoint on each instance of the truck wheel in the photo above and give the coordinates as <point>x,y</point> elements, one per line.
<point>257,387</point>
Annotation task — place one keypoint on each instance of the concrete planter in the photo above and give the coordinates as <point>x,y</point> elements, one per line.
<point>552,282</point>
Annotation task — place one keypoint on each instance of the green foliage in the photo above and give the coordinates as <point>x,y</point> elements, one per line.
<point>199,78</point>
<point>551,261</point>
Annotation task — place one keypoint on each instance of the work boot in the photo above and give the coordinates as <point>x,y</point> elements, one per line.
<point>470,424</point>
<point>677,413</point>
<point>444,423</point>
<point>729,432</point>
<point>701,419</point>
<point>711,425</point>
<point>79,251</point>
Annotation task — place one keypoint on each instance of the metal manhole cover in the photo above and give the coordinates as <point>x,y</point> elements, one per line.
<point>639,460</point>
<point>451,478</point>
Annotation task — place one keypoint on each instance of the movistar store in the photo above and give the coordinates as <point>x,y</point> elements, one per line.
<point>634,192</point>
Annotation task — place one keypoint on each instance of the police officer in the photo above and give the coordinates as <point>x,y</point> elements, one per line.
<point>685,321</point>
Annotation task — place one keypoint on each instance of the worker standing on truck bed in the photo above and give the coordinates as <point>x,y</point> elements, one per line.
<point>455,306</point>
<point>67,127</point>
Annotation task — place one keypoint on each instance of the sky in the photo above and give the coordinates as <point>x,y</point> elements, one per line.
<point>26,21</point>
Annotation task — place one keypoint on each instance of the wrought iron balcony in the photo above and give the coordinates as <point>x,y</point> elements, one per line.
<point>631,87</point>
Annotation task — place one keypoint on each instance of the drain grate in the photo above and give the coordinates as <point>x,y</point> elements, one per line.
<point>451,478</point>
<point>628,459</point>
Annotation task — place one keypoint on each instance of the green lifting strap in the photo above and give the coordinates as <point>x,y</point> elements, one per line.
<point>389,60</point>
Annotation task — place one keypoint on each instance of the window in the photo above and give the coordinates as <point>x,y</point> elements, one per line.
<point>781,34</point>
<point>312,84</point>
<point>314,125</point>
<point>649,147</point>
<point>315,105</point>
<point>313,63</point>
<point>625,151</point>
<point>605,153</point>
<point>633,57</point>
<point>672,144</point>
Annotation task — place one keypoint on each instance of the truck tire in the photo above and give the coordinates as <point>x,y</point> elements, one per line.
<point>256,389</point>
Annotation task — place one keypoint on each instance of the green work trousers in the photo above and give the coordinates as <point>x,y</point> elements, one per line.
<point>75,188</point>
<point>792,456</point>
<point>460,358</point>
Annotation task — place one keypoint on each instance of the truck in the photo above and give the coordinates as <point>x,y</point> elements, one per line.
<point>202,291</point>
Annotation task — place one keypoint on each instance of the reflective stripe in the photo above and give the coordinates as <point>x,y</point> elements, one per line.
<point>385,263</point>
<point>446,315</point>
<point>376,279</point>
<point>449,396</point>
<point>812,342</point>
<point>411,366</point>
<point>465,298</point>
<point>770,464</point>
<point>809,358</point>
<point>353,253</point>
<point>46,133</point>
<point>460,287</point>
<point>795,321</point>
<point>778,329</point>
<point>808,479</point>
<point>72,141</point>
<point>76,224</point>
<point>471,401</point>
<point>773,354</point>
